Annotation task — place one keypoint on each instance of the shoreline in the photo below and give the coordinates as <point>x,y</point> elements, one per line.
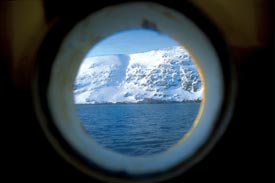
<point>138,103</point>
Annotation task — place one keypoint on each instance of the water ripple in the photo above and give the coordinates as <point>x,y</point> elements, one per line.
<point>138,129</point>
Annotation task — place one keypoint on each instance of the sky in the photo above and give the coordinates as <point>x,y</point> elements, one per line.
<point>132,41</point>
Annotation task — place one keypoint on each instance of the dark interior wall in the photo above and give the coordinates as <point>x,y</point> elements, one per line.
<point>245,153</point>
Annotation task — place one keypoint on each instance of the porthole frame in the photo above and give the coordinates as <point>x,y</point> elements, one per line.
<point>54,43</point>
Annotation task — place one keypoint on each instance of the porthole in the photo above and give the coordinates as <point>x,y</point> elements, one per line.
<point>54,96</point>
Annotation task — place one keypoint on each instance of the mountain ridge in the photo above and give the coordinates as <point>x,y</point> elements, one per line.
<point>158,76</point>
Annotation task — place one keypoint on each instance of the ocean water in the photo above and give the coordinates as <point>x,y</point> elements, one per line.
<point>138,129</point>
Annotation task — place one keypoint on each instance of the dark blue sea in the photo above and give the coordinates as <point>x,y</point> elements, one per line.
<point>138,129</point>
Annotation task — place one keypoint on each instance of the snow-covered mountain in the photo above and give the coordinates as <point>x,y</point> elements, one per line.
<point>165,75</point>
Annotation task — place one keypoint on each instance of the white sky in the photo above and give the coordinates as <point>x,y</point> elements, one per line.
<point>132,41</point>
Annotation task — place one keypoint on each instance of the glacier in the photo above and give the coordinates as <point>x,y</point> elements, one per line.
<point>156,76</point>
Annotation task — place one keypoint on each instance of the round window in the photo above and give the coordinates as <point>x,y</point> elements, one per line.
<point>145,103</point>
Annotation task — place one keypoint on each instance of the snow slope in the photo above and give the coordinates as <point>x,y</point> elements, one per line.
<point>165,75</point>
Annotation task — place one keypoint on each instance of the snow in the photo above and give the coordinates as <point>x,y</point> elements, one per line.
<point>165,75</point>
